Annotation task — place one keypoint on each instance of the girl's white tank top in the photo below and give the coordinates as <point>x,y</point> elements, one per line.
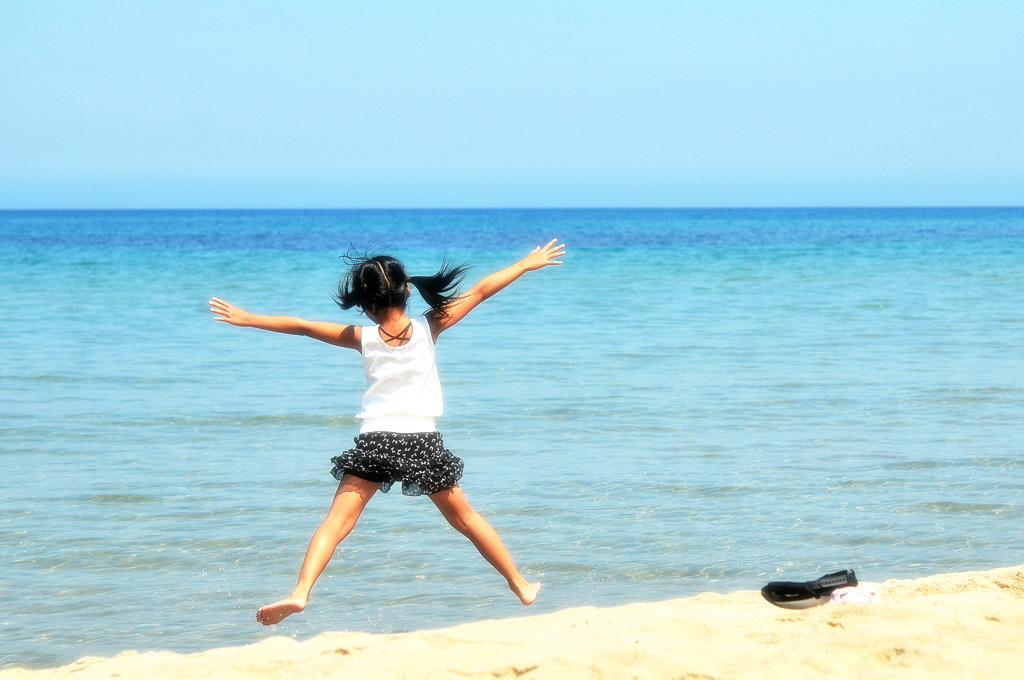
<point>403,392</point>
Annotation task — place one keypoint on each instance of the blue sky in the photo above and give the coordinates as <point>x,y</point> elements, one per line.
<point>308,104</point>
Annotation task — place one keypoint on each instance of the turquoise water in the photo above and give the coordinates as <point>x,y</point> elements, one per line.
<point>697,400</point>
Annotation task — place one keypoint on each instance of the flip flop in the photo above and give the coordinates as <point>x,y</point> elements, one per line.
<point>797,595</point>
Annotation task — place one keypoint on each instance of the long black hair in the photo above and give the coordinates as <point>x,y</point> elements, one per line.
<point>378,282</point>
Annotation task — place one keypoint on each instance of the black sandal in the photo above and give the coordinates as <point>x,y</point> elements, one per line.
<point>795,595</point>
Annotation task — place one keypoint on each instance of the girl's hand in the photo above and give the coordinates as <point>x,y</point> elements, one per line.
<point>539,257</point>
<point>236,316</point>
<point>542,256</point>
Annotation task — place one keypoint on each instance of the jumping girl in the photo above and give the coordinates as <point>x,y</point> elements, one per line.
<point>397,439</point>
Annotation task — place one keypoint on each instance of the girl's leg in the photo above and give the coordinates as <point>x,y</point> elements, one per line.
<point>351,497</point>
<point>456,509</point>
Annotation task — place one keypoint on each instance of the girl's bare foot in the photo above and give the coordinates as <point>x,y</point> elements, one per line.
<point>274,613</point>
<point>527,593</point>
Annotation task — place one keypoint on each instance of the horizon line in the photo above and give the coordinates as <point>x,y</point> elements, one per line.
<point>522,208</point>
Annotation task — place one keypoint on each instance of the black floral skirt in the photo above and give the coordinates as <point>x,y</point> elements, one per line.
<point>419,460</point>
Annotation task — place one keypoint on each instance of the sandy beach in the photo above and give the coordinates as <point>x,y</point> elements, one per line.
<point>965,625</point>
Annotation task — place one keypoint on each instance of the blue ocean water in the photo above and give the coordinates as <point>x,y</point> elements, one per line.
<point>696,401</point>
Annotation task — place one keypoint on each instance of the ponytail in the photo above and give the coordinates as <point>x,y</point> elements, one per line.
<point>379,282</point>
<point>441,289</point>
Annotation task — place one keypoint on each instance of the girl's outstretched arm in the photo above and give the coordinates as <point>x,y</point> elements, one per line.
<point>342,335</point>
<point>539,257</point>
